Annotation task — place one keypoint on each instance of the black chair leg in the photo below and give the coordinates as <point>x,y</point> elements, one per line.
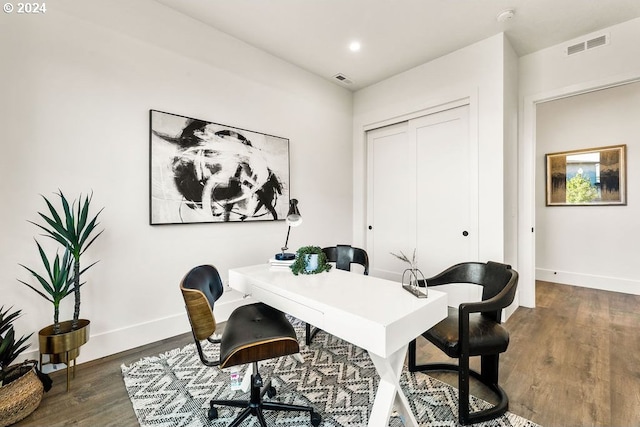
<point>463,390</point>
<point>243,415</point>
<point>309,334</point>
<point>412,356</point>
<point>488,377</point>
<point>232,403</point>
<point>255,405</point>
<point>278,406</point>
<point>260,416</point>
<point>489,368</point>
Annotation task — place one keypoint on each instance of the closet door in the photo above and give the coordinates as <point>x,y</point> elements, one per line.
<point>446,203</point>
<point>421,193</point>
<point>390,197</point>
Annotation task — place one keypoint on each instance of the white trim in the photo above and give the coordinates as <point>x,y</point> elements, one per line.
<point>432,109</point>
<point>614,284</point>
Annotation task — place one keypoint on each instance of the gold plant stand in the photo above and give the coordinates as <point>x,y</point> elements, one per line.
<point>64,347</point>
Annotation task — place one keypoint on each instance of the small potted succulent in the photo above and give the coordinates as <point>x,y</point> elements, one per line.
<point>310,260</point>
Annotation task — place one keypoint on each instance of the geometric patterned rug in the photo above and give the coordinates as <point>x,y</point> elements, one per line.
<point>337,378</point>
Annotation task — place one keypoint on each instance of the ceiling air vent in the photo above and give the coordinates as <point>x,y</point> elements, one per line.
<point>576,48</point>
<point>342,79</point>
<point>598,41</point>
<point>588,44</point>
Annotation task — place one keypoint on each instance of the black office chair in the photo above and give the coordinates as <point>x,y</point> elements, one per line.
<point>252,333</point>
<point>343,256</point>
<point>473,329</point>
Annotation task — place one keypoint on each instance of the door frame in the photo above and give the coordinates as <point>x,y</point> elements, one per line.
<point>526,175</point>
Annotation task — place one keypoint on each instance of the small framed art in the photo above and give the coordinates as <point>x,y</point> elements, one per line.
<point>588,177</point>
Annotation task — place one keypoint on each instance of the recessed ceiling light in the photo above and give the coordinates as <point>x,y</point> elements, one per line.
<point>354,46</point>
<point>506,15</point>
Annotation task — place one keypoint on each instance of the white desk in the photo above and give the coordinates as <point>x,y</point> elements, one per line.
<point>374,314</point>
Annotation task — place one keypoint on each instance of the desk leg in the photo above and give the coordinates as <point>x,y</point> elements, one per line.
<point>245,386</point>
<point>389,391</point>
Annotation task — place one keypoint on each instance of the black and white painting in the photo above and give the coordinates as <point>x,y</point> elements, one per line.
<point>208,172</point>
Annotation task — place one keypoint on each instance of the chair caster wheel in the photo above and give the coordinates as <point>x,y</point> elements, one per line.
<point>212,414</point>
<point>315,419</point>
<point>271,391</point>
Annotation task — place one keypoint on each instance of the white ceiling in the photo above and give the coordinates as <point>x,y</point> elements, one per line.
<point>397,35</point>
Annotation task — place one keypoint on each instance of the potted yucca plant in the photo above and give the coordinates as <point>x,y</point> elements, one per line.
<point>73,228</point>
<point>20,388</point>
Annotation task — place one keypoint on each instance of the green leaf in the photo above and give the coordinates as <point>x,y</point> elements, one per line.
<point>7,320</point>
<point>70,220</point>
<point>56,222</point>
<point>91,242</point>
<point>59,280</point>
<point>10,349</point>
<point>53,211</point>
<point>37,291</point>
<point>84,214</point>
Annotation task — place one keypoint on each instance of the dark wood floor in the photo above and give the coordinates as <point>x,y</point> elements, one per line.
<point>574,360</point>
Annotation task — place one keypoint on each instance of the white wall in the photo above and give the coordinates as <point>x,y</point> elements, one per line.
<point>593,246</point>
<point>549,74</point>
<point>476,72</point>
<point>76,88</point>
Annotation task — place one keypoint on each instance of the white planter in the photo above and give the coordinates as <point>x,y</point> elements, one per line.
<point>311,262</point>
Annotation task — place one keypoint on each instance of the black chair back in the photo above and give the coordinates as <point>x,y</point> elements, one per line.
<point>345,255</point>
<point>205,278</point>
<point>201,287</point>
<point>494,277</point>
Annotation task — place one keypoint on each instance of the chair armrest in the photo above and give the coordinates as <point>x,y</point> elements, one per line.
<point>498,302</point>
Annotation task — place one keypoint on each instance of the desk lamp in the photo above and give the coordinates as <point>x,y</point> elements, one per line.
<point>294,219</point>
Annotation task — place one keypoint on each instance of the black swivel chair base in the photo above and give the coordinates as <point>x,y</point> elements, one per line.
<point>255,405</point>
<point>489,379</point>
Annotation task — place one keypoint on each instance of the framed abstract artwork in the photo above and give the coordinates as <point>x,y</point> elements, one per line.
<point>588,177</point>
<point>203,172</point>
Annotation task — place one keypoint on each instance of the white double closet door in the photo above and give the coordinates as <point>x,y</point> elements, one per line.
<point>422,177</point>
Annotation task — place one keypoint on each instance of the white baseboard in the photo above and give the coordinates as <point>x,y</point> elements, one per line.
<point>115,341</point>
<point>507,312</point>
<point>605,283</point>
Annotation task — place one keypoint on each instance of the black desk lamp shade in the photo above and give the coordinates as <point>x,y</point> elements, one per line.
<point>294,219</point>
